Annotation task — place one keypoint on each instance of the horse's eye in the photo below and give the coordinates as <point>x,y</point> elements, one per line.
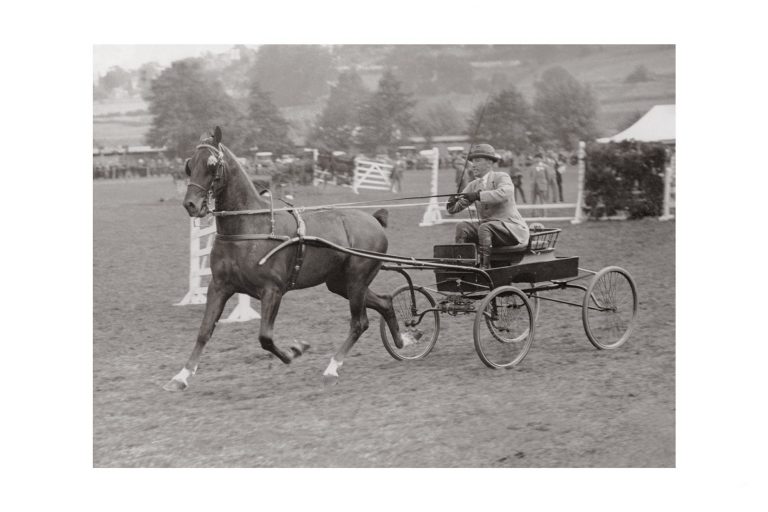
<point>187,170</point>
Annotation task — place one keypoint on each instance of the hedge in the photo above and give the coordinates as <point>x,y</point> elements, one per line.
<point>625,176</point>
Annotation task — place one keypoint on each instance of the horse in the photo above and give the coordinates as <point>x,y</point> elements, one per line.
<point>341,167</point>
<point>243,240</point>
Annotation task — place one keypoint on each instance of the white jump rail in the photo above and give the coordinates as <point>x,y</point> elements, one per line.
<point>201,235</point>
<point>372,176</point>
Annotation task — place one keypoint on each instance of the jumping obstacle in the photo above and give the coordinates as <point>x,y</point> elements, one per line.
<point>435,209</point>
<point>372,175</point>
<point>201,235</point>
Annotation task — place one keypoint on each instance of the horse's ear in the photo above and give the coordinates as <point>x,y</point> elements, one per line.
<point>217,135</point>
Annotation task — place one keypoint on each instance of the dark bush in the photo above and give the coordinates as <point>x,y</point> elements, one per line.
<point>627,175</point>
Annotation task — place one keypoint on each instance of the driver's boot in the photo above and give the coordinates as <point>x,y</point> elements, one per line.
<point>485,256</point>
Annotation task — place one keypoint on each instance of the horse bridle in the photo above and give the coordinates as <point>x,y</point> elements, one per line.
<point>218,155</point>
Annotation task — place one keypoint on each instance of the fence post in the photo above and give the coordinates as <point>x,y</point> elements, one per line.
<point>669,171</point>
<point>579,215</point>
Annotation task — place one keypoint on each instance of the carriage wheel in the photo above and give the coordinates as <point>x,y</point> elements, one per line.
<point>504,327</point>
<point>610,308</point>
<point>425,331</point>
<point>533,298</point>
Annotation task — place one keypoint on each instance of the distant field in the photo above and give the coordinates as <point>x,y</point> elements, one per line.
<point>116,106</point>
<point>604,72</point>
<point>121,131</point>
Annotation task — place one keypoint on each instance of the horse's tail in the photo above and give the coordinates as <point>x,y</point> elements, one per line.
<point>382,216</point>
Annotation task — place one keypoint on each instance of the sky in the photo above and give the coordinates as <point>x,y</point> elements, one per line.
<point>133,56</point>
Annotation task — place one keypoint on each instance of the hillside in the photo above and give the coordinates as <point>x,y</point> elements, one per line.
<point>604,68</point>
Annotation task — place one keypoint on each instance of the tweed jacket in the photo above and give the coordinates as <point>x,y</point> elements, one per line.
<point>497,203</point>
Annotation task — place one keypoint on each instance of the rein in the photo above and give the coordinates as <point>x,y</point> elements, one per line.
<point>226,213</point>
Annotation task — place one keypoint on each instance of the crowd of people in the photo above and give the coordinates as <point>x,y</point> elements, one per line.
<point>136,168</point>
<point>537,176</point>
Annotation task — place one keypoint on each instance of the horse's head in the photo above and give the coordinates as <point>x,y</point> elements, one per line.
<point>206,170</point>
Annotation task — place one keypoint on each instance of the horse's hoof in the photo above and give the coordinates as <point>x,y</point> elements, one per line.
<point>330,380</point>
<point>410,338</point>
<point>175,385</point>
<point>298,348</point>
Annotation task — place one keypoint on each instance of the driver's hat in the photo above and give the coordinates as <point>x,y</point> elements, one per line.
<point>483,151</point>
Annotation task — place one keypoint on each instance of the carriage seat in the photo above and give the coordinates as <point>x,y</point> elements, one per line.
<point>509,249</point>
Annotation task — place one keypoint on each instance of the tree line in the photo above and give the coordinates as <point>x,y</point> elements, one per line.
<point>246,95</point>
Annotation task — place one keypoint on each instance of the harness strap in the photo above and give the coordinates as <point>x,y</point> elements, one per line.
<point>238,238</point>
<point>301,248</point>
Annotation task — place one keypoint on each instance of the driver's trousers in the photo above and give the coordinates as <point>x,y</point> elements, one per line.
<point>491,233</point>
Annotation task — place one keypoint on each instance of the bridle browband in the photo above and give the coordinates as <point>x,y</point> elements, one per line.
<point>218,154</point>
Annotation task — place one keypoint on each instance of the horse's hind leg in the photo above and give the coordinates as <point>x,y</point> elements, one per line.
<point>216,299</point>
<point>357,326</point>
<point>382,304</point>
<point>270,304</point>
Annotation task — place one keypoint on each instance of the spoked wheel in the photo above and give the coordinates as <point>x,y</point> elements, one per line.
<point>504,327</point>
<point>533,298</point>
<point>610,308</point>
<point>422,330</point>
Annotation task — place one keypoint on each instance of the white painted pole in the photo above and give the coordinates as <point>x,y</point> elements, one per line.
<point>243,310</point>
<point>432,216</point>
<point>578,217</point>
<point>197,293</point>
<point>668,171</point>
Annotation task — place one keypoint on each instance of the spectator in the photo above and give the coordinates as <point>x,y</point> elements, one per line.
<point>551,162</point>
<point>517,179</point>
<point>559,170</point>
<point>397,176</point>
<point>539,179</point>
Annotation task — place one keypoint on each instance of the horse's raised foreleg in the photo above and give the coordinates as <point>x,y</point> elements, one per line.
<point>216,299</point>
<point>357,326</point>
<point>270,304</point>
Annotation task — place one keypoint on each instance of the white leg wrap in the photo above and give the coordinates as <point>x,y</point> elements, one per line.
<point>333,367</point>
<point>183,375</point>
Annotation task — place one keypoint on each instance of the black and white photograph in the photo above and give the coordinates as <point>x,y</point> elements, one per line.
<point>394,249</point>
<point>384,256</point>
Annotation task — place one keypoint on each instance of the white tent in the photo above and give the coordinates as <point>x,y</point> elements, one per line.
<point>657,125</point>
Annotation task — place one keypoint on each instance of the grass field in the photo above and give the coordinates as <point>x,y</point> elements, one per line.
<point>565,405</point>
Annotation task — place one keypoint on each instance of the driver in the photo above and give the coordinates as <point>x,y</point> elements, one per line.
<point>500,222</point>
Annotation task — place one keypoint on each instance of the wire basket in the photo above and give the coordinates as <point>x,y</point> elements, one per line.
<point>543,240</point>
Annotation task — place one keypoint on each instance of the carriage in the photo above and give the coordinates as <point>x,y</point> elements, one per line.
<point>506,298</point>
